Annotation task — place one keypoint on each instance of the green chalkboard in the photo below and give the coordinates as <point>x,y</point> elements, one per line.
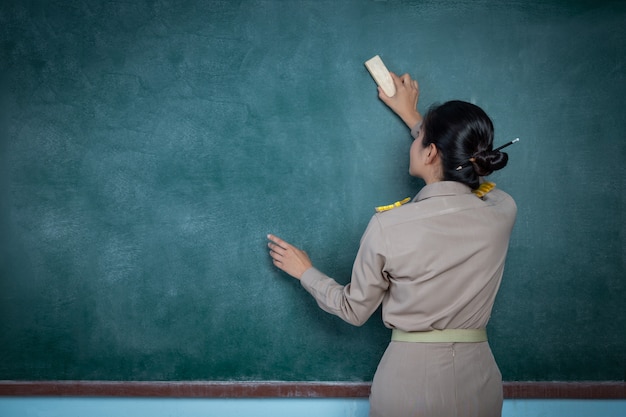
<point>148,147</point>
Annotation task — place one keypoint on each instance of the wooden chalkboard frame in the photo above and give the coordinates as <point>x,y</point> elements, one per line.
<point>265,389</point>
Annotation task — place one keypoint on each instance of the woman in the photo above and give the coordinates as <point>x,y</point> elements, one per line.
<point>435,264</point>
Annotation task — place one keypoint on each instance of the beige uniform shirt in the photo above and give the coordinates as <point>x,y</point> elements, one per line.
<point>434,263</point>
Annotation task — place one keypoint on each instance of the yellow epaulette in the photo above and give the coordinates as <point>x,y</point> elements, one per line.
<point>484,188</point>
<point>480,192</point>
<point>394,205</point>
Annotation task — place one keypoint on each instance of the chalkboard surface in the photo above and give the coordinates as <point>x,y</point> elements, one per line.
<point>148,147</point>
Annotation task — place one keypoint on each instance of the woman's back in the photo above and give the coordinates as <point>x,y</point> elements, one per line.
<point>444,257</point>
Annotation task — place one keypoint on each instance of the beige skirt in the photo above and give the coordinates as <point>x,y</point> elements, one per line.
<point>437,379</point>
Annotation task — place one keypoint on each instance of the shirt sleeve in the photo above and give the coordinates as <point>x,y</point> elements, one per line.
<point>356,301</point>
<point>415,130</point>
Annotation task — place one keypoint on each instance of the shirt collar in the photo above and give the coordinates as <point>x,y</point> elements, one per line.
<point>442,188</point>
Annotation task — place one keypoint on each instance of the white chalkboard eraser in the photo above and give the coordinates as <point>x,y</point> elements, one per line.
<point>381,75</point>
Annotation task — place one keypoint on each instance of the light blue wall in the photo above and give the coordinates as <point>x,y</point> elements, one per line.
<point>166,407</point>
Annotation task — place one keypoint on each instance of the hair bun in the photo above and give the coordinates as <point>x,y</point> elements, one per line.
<point>485,162</point>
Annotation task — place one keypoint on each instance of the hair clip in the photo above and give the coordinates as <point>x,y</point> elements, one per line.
<point>460,167</point>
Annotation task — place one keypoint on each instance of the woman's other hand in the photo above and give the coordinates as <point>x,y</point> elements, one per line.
<point>404,102</point>
<point>287,257</point>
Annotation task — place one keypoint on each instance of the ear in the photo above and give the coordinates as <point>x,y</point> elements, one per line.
<point>432,154</point>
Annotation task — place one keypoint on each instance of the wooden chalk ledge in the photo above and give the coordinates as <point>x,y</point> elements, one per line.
<point>280,389</point>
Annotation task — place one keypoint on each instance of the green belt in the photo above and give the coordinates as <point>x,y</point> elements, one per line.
<point>441,336</point>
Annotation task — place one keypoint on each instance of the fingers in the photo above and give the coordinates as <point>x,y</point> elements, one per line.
<point>279,249</point>
<point>408,82</point>
<point>405,78</point>
<point>404,102</point>
<point>382,95</point>
<point>396,81</point>
<point>287,257</point>
<point>277,242</point>
<point>403,83</point>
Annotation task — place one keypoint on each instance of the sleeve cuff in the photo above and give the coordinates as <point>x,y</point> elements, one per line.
<point>415,130</point>
<point>310,277</point>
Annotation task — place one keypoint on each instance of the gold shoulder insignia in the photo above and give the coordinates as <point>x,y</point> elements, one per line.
<point>484,188</point>
<point>394,205</point>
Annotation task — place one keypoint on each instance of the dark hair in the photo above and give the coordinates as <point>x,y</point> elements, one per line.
<point>463,135</point>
